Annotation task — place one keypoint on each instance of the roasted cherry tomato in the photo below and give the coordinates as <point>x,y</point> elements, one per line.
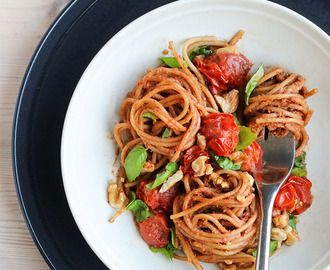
<point>294,195</point>
<point>155,231</point>
<point>191,154</point>
<point>253,152</point>
<point>221,133</point>
<point>285,199</point>
<point>154,199</point>
<point>224,71</point>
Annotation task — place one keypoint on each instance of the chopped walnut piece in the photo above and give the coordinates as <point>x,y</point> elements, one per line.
<point>148,166</point>
<point>278,234</point>
<point>209,169</point>
<point>201,141</point>
<point>116,196</point>
<point>239,157</point>
<point>218,180</point>
<point>281,221</point>
<point>228,49</point>
<point>292,236</point>
<point>228,262</point>
<point>228,102</point>
<point>226,266</point>
<point>248,177</point>
<point>199,166</point>
<point>171,181</point>
<point>276,212</point>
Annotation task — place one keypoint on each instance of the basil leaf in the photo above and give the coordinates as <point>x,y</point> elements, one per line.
<point>172,62</point>
<point>299,166</point>
<point>132,198</point>
<point>236,119</point>
<point>273,247</point>
<point>134,162</point>
<point>170,249</point>
<point>299,172</point>
<point>170,169</point>
<point>166,133</point>
<point>138,207</point>
<point>205,50</point>
<point>246,137</point>
<point>252,83</point>
<point>299,162</point>
<point>150,115</point>
<point>162,250</point>
<point>225,163</point>
<point>292,221</point>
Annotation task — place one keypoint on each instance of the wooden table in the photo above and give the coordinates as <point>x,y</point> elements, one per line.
<point>22,24</point>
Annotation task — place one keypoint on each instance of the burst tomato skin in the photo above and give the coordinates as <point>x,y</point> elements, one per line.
<point>155,230</point>
<point>154,199</point>
<point>285,199</point>
<point>294,196</point>
<point>253,152</point>
<point>224,71</point>
<point>221,133</point>
<point>191,154</point>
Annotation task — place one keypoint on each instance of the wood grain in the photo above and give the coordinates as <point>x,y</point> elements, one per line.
<point>22,24</point>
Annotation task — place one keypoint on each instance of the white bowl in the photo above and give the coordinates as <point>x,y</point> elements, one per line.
<point>274,36</point>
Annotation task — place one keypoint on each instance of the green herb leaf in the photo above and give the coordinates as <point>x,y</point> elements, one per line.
<point>170,249</point>
<point>132,198</point>
<point>170,169</point>
<point>225,163</point>
<point>299,172</point>
<point>138,207</point>
<point>172,62</point>
<point>134,162</point>
<point>252,83</point>
<point>299,166</point>
<point>299,162</point>
<point>273,247</point>
<point>292,220</point>
<point>236,119</point>
<point>150,115</point>
<point>205,50</point>
<point>166,133</point>
<point>246,137</point>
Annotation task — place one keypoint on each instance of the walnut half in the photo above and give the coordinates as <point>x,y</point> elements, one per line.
<point>228,102</point>
<point>200,167</point>
<point>116,196</point>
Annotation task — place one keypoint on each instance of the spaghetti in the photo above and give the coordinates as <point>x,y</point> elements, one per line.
<point>185,168</point>
<point>279,103</point>
<point>220,224</point>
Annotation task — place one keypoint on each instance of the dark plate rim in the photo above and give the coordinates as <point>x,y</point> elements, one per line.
<point>54,35</point>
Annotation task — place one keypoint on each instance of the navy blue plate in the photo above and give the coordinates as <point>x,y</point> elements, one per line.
<point>51,77</point>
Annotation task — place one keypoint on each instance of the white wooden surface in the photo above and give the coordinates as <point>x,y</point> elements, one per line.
<point>22,24</point>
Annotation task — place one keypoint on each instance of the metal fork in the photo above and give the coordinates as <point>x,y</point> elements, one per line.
<point>278,159</point>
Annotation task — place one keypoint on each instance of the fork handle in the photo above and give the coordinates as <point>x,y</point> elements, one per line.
<point>266,202</point>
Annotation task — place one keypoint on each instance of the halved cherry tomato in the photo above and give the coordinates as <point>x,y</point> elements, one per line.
<point>221,133</point>
<point>155,231</point>
<point>225,71</point>
<point>294,195</point>
<point>285,199</point>
<point>154,199</point>
<point>191,154</point>
<point>253,152</point>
